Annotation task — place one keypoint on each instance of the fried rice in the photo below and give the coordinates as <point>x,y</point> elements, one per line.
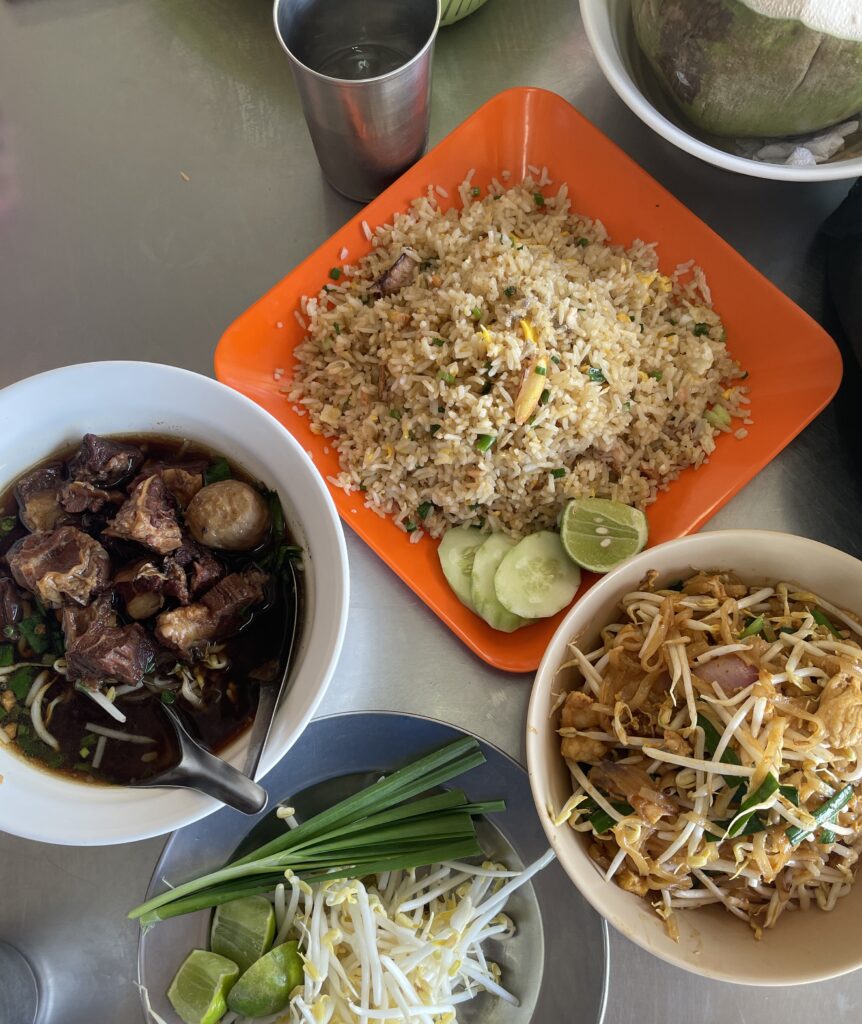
<point>418,389</point>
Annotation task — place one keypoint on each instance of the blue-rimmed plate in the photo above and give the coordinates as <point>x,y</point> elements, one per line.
<point>556,964</point>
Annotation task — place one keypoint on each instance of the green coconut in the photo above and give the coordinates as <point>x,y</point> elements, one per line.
<point>756,67</point>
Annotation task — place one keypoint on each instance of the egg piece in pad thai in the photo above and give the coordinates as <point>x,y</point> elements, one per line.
<point>715,747</point>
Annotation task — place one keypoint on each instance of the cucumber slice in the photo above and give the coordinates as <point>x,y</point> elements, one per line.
<point>485,600</point>
<point>537,578</point>
<point>456,553</point>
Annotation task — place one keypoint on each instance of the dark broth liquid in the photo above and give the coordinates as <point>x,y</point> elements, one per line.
<point>230,694</point>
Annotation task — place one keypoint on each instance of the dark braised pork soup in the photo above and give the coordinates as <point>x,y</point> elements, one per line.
<point>135,570</point>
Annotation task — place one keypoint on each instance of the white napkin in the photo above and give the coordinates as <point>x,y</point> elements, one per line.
<point>799,152</point>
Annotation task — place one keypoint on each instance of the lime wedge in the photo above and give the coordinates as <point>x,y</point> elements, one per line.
<point>199,991</point>
<point>598,533</point>
<point>266,986</point>
<point>243,930</point>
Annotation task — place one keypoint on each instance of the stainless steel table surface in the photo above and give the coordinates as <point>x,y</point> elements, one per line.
<point>106,251</point>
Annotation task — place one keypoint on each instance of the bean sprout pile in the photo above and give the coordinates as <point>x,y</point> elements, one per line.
<point>714,741</point>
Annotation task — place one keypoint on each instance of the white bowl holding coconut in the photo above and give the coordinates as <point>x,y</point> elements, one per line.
<point>768,88</point>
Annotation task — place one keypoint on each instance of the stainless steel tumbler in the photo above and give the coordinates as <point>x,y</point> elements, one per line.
<point>363,71</point>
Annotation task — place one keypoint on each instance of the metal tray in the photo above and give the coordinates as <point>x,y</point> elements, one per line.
<point>557,963</point>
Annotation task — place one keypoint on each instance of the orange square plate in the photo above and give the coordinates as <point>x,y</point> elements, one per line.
<point>794,365</point>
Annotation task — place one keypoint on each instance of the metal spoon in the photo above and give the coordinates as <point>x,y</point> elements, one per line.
<point>199,769</point>
<point>270,693</point>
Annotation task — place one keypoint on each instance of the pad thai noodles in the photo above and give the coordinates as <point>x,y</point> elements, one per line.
<point>715,748</point>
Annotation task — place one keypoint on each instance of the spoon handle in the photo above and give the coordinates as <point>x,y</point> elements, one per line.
<point>203,771</point>
<point>218,779</point>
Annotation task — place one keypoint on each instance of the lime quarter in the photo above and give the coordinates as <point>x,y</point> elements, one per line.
<point>266,986</point>
<point>243,930</point>
<point>199,991</point>
<point>598,533</point>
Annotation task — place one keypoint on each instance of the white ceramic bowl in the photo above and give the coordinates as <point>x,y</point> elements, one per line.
<point>52,410</point>
<point>803,947</point>
<point>608,24</point>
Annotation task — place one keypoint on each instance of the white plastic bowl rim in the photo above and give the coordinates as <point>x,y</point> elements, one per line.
<point>804,947</point>
<point>50,410</point>
<point>599,24</point>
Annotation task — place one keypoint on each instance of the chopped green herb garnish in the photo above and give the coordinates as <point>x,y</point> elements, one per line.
<point>475,191</point>
<point>217,470</point>
<point>557,473</point>
<point>396,414</point>
<point>627,406</point>
<point>718,416</point>
<point>41,634</point>
<point>362,488</point>
<point>790,793</point>
<point>712,738</point>
<point>7,524</point>
<point>555,359</point>
<point>476,313</point>
<point>434,428</point>
<point>545,397</point>
<point>276,514</point>
<point>655,374</point>
<point>424,509</point>
<point>824,620</point>
<point>484,442</point>
<point>446,376</point>
<point>823,815</point>
<point>337,328</point>
<point>542,371</point>
<point>583,242</point>
<point>409,526</point>
<point>753,628</point>
<point>602,821</point>
<point>7,655</point>
<point>538,199</point>
<point>487,387</point>
<point>335,273</point>
<point>439,342</point>
<point>509,292</point>
<point>827,836</point>
<point>20,681</point>
<point>700,329</point>
<point>596,375</point>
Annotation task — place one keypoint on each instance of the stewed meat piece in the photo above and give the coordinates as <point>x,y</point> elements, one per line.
<point>148,517</point>
<point>183,481</point>
<point>37,494</point>
<point>182,484</point>
<point>77,497</point>
<point>191,571</point>
<point>77,620</point>
<point>11,603</point>
<point>104,462</point>
<point>401,273</point>
<point>141,585</point>
<point>218,614</point>
<point>123,653</point>
<point>60,565</point>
